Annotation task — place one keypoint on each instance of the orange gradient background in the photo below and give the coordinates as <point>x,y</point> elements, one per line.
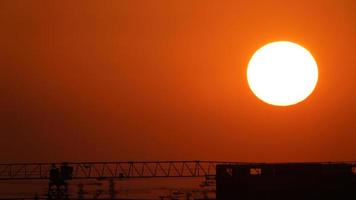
<point>166,80</point>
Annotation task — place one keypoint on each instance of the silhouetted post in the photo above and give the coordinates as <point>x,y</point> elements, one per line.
<point>112,192</point>
<point>80,191</point>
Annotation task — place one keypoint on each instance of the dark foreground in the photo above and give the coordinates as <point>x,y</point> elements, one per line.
<point>292,181</point>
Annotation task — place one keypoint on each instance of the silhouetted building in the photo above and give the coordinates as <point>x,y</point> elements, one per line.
<point>289,181</point>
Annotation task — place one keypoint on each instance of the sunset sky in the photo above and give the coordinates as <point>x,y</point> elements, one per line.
<point>166,80</point>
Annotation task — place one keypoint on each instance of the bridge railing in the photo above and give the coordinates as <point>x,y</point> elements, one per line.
<point>113,170</point>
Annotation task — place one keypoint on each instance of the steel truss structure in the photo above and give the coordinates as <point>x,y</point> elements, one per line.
<point>111,170</point>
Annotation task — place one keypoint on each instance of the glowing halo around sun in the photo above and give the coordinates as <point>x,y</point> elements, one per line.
<point>282,73</point>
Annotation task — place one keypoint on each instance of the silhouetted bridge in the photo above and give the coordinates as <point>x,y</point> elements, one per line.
<point>234,180</point>
<point>109,170</point>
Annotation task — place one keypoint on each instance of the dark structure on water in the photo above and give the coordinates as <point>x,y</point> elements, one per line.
<point>289,181</point>
<point>234,180</point>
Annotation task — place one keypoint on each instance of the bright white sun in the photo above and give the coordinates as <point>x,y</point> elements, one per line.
<point>282,73</point>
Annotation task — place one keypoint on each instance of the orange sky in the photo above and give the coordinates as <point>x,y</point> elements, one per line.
<point>166,80</point>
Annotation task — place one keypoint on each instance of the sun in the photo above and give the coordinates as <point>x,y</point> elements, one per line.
<point>282,73</point>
